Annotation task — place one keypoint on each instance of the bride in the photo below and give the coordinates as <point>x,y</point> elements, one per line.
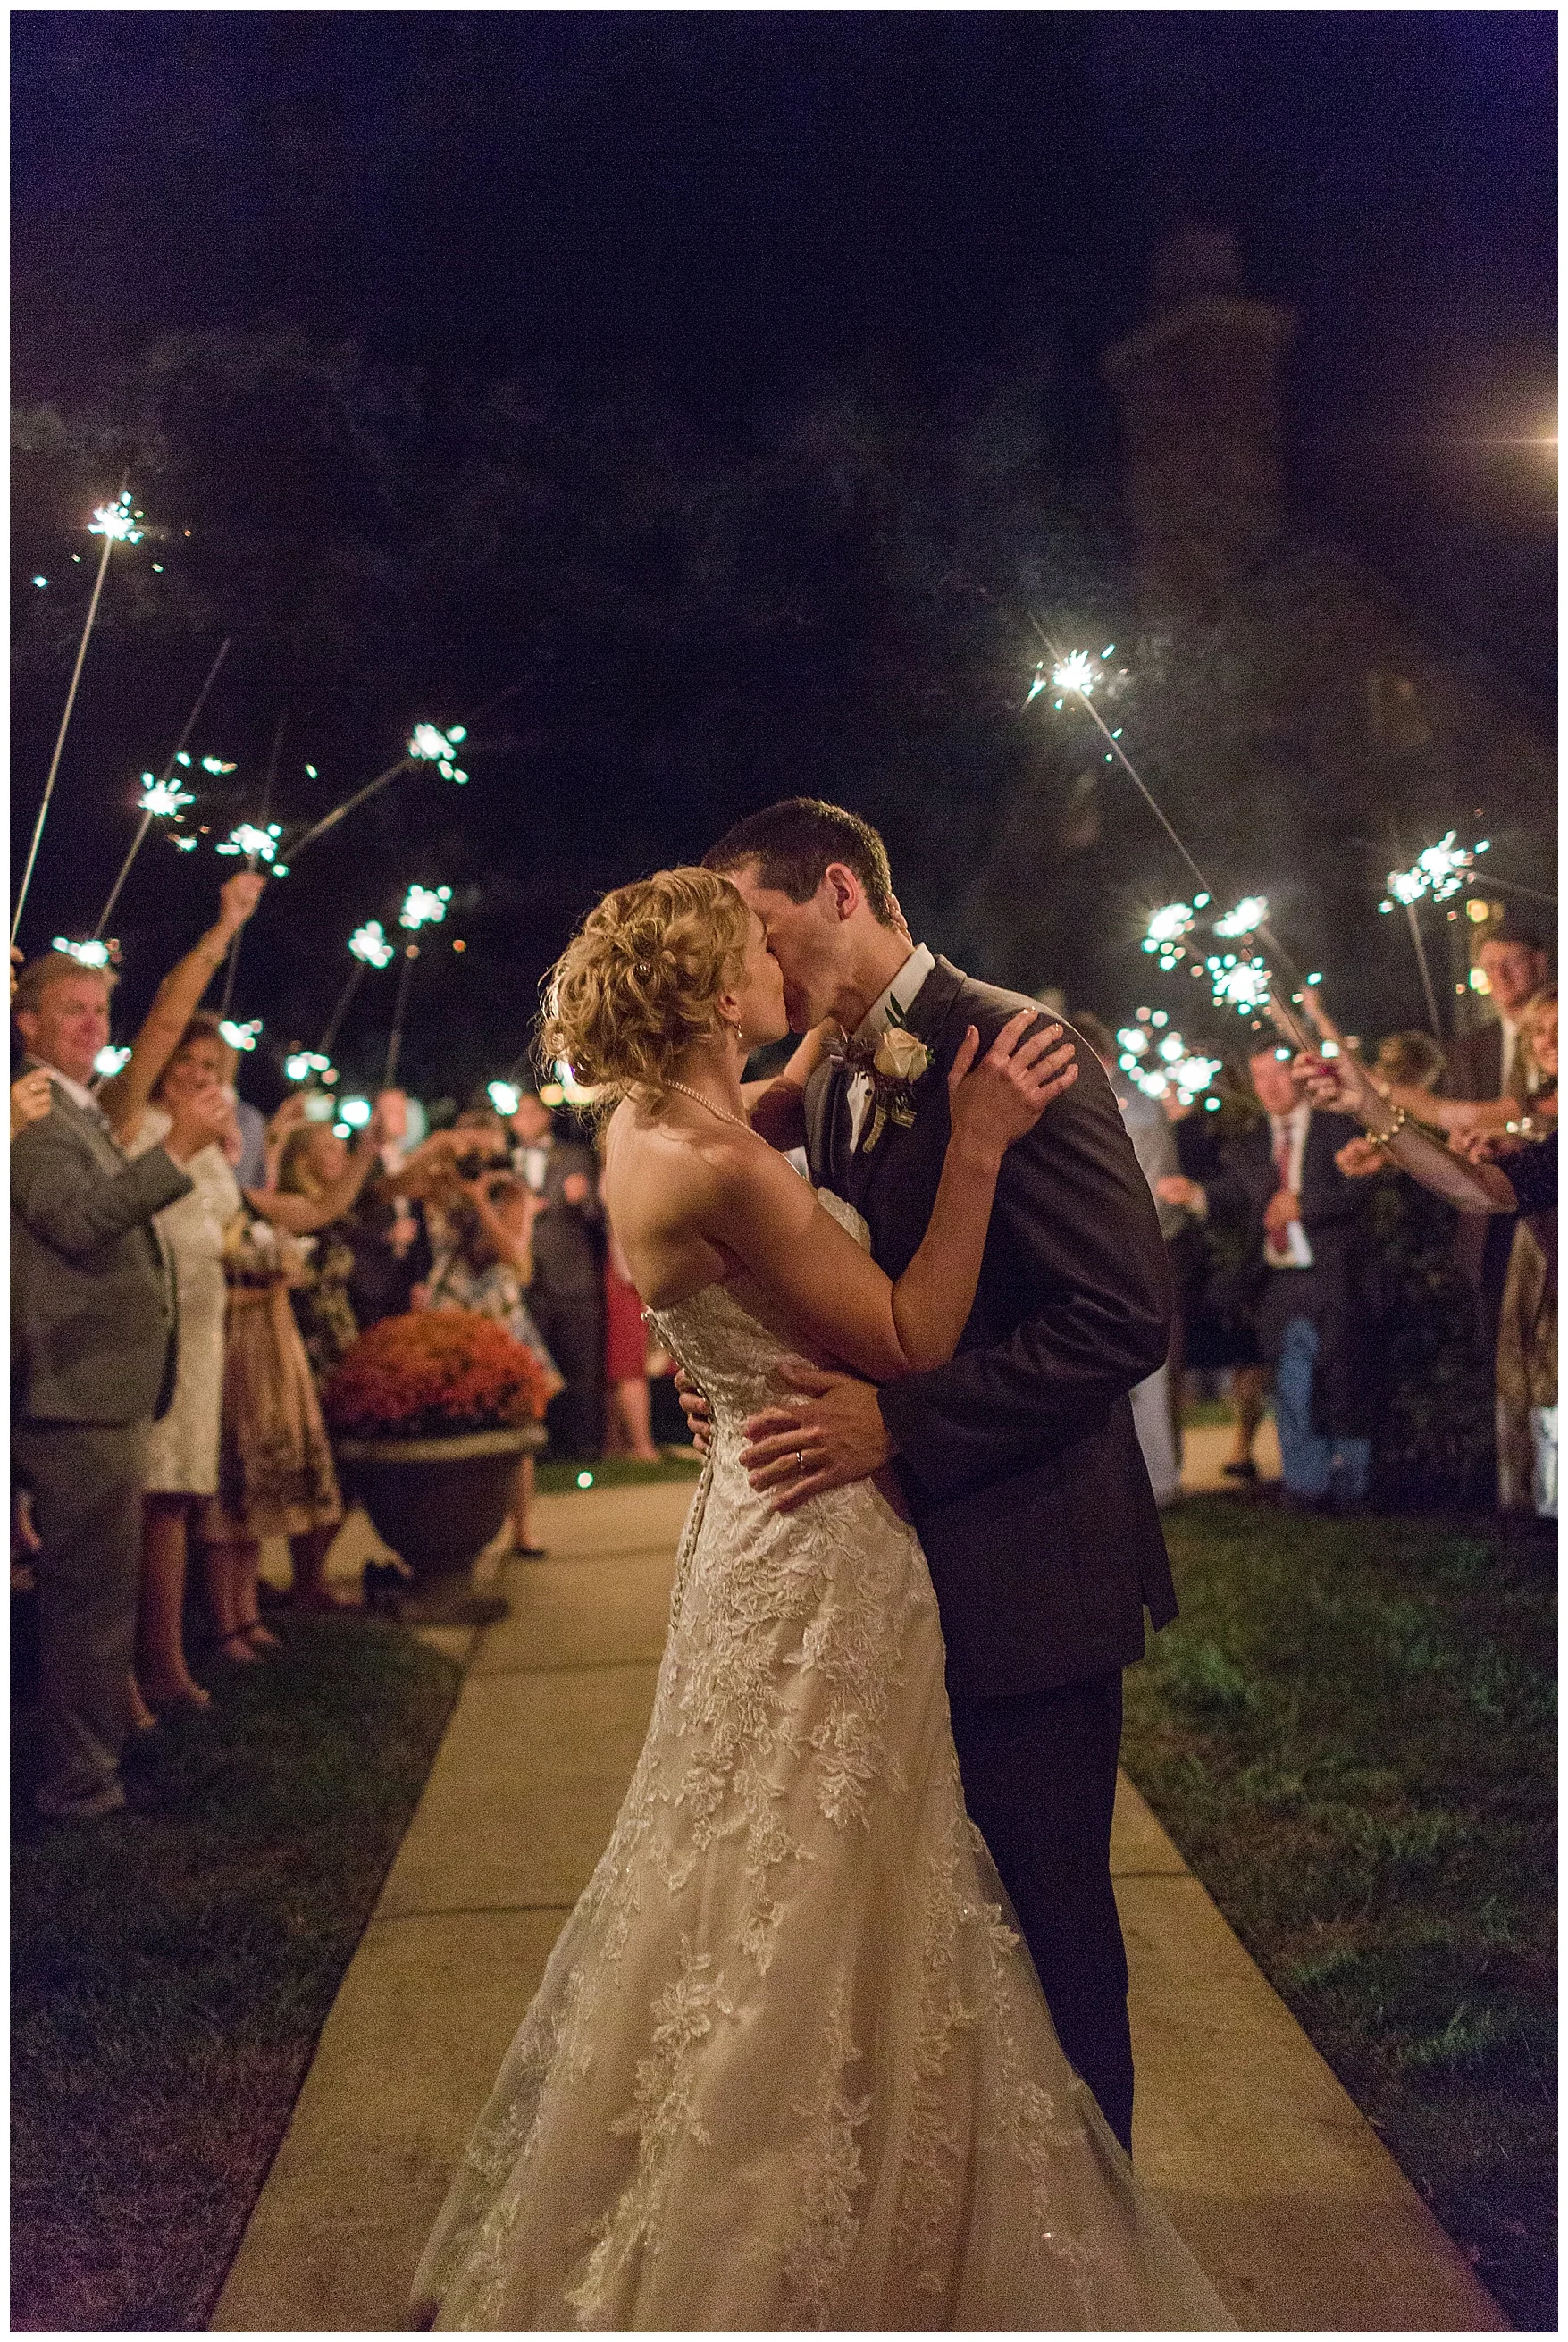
<point>789,2066</point>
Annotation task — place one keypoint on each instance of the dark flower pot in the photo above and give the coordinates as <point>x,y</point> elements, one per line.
<point>436,1502</point>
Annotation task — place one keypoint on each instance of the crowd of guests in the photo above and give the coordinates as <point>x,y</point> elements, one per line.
<point>187,1275</point>
<point>1292,1258</point>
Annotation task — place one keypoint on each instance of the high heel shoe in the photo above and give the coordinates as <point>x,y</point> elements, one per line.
<point>235,1647</point>
<point>261,1638</point>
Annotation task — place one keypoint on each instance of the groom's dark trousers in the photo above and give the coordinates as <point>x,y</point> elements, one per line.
<point>1028,1484</point>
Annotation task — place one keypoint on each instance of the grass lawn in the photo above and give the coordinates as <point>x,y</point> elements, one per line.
<point>172,1967</point>
<point>617,1472</point>
<point>1351,1735</point>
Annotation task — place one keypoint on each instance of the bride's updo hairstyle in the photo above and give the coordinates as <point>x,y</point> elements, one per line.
<point>640,980</point>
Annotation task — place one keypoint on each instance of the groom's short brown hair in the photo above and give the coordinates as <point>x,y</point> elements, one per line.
<point>792,844</point>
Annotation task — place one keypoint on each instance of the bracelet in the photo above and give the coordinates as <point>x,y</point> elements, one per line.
<point>1388,1137</point>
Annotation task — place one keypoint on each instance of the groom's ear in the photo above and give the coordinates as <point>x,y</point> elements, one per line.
<point>842,890</point>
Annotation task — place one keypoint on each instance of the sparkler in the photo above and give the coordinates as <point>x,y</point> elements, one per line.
<point>504,1096</point>
<point>1250,915</point>
<point>435,747</point>
<point>114,523</point>
<point>257,843</point>
<point>369,946</point>
<point>1440,871</point>
<point>92,953</point>
<point>164,783</point>
<point>424,907</point>
<point>428,745</point>
<point>1074,673</point>
<point>109,1061</point>
<point>241,1036</point>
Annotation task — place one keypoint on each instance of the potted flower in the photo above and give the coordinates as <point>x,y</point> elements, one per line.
<point>429,1416</point>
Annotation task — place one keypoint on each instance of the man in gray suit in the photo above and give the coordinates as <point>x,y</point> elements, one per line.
<point>93,1354</point>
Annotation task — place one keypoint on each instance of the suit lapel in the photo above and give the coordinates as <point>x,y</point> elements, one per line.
<point>928,1015</point>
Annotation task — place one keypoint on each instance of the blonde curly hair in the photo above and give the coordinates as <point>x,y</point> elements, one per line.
<point>639,981</point>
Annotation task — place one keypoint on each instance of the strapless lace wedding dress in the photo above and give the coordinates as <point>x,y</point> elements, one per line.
<point>789,2066</point>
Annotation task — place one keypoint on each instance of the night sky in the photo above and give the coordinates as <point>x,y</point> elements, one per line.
<point>718,212</point>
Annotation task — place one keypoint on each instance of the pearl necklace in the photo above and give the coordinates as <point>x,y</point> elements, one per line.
<point>723,1112</point>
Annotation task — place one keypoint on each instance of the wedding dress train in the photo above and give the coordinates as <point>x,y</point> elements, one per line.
<point>789,2066</point>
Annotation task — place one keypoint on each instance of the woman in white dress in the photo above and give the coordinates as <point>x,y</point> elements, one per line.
<point>789,2066</point>
<point>179,1050</point>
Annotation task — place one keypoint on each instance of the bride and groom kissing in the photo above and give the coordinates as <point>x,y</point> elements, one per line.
<point>790,2065</point>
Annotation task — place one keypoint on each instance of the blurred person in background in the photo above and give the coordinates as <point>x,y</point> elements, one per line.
<point>385,1230</point>
<point>1501,1176</point>
<point>1208,1265</point>
<point>1155,1145</point>
<point>1486,1067</point>
<point>1527,1319</point>
<point>94,1351</point>
<point>180,1052</point>
<point>484,1262</point>
<point>568,1293</point>
<point>1310,1269</point>
<point>630,1426</point>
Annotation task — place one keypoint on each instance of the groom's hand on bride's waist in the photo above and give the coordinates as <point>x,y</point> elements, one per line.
<point>830,1434</point>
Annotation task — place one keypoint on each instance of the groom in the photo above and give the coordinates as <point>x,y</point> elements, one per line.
<point>1020,1458</point>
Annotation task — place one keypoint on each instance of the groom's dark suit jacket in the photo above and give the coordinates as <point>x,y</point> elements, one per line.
<point>1020,1457</point>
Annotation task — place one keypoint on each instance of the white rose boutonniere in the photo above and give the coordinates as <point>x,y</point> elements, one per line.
<point>901,1059</point>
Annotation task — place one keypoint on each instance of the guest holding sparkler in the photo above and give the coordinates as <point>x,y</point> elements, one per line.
<point>1313,1280</point>
<point>568,1294</point>
<point>180,1054</point>
<point>1512,1173</point>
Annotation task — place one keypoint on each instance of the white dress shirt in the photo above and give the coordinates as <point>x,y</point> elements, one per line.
<point>1295,1252</point>
<point>899,994</point>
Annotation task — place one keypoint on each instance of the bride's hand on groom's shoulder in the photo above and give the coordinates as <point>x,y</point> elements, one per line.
<point>999,1097</point>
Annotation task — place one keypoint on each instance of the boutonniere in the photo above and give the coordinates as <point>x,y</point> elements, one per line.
<point>899,1061</point>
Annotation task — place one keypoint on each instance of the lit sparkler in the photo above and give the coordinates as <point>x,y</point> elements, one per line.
<point>241,1036</point>
<point>372,944</point>
<point>1240,984</point>
<point>109,1061</point>
<point>429,744</point>
<point>164,798</point>
<point>304,1063</point>
<point>117,522</point>
<point>1440,871</point>
<point>247,839</point>
<point>504,1096</point>
<point>111,523</point>
<point>424,907</point>
<point>94,952</point>
<point>1250,914</point>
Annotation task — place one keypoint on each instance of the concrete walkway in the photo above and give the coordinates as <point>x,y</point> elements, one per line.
<point>1284,2191</point>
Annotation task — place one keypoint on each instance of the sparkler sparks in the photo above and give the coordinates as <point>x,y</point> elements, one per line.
<point>212,764</point>
<point>1239,984</point>
<point>165,797</point>
<point>262,843</point>
<point>424,907</point>
<point>109,1060</point>
<point>1440,871</point>
<point>1076,673</point>
<point>241,1036</point>
<point>372,944</point>
<point>94,954</point>
<point>1250,914</point>
<point>306,1062</point>
<point>435,747</point>
<point>504,1096</point>
<point>117,520</point>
